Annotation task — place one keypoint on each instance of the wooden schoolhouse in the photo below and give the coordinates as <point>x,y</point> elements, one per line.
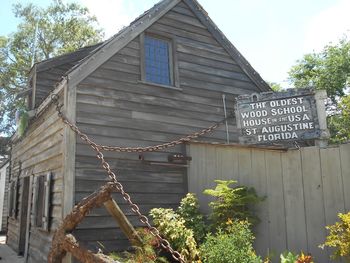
<point>157,80</point>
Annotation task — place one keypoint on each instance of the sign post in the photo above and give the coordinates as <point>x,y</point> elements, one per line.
<point>277,117</point>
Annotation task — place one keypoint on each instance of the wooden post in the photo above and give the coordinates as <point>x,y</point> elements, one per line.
<point>124,224</point>
<point>320,96</point>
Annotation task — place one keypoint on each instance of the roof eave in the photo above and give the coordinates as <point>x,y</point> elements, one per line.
<point>203,16</point>
<point>119,41</point>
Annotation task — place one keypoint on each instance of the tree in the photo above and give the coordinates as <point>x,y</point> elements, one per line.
<point>329,70</point>
<point>43,33</point>
<point>339,124</point>
<point>276,87</point>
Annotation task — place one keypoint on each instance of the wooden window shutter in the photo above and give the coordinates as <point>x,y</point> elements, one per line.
<point>41,201</point>
<point>10,200</point>
<point>35,201</point>
<point>13,187</point>
<point>46,208</point>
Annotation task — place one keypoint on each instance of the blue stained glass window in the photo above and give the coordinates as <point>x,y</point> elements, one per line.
<point>157,63</point>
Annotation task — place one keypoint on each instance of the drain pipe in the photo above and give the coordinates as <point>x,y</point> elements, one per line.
<point>225,112</point>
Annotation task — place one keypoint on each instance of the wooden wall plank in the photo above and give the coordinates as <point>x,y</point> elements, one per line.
<point>258,179</point>
<point>294,201</point>
<point>276,204</point>
<point>244,166</point>
<point>345,171</point>
<point>314,202</point>
<point>332,184</point>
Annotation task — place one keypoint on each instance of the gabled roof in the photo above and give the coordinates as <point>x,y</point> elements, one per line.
<point>118,41</point>
<point>108,48</point>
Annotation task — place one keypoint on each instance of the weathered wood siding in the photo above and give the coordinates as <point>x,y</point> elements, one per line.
<point>305,190</point>
<point>115,108</point>
<point>4,182</point>
<point>49,72</point>
<point>39,152</point>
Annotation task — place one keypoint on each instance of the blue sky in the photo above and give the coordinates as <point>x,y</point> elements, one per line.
<point>271,34</point>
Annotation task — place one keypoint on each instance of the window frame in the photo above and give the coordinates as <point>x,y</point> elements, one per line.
<point>42,220</point>
<point>173,65</point>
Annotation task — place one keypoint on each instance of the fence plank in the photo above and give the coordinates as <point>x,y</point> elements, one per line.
<point>294,201</point>
<point>197,180</point>
<point>276,209</point>
<point>305,190</point>
<point>257,179</point>
<point>332,184</point>
<point>210,164</point>
<point>345,165</point>
<point>244,165</point>
<point>314,209</point>
<point>225,165</point>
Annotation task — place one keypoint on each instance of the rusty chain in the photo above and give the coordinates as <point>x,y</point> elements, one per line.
<point>119,187</point>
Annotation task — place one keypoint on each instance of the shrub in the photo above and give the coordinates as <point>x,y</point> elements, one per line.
<point>147,253</point>
<point>172,227</point>
<point>232,203</point>
<point>289,257</point>
<point>189,211</point>
<point>339,237</point>
<point>232,246</point>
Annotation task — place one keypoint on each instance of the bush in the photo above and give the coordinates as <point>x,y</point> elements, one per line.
<point>232,203</point>
<point>147,253</point>
<point>189,211</point>
<point>289,257</point>
<point>232,246</point>
<point>339,237</point>
<point>172,227</point>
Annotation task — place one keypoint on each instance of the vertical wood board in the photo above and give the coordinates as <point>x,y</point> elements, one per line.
<point>276,203</point>
<point>314,202</point>
<point>294,201</point>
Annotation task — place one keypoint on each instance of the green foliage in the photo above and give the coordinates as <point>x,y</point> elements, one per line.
<point>43,33</point>
<point>329,69</point>
<point>172,226</point>
<point>189,211</point>
<point>339,124</point>
<point>231,246</point>
<point>232,203</point>
<point>289,257</point>
<point>142,254</point>
<point>275,86</point>
<point>339,237</point>
<point>23,122</point>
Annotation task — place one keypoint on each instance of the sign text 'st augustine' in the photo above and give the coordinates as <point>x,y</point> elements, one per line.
<point>279,119</point>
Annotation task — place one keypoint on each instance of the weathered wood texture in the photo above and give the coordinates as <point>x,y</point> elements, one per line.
<point>49,72</point>
<point>115,108</point>
<point>305,191</point>
<point>39,152</point>
<point>4,184</point>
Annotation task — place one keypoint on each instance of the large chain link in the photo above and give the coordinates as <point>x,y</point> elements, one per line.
<point>134,207</point>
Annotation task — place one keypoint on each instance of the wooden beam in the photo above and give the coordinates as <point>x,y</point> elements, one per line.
<point>69,223</point>
<point>124,224</point>
<point>83,255</point>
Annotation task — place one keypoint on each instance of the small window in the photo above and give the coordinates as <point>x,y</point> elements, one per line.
<point>157,60</point>
<point>41,202</point>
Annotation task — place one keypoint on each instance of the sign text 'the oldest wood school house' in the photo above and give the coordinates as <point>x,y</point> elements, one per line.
<point>276,117</point>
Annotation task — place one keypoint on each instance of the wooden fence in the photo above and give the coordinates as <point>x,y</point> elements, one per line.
<point>305,190</point>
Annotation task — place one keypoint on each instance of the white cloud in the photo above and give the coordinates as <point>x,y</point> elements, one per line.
<point>328,26</point>
<point>111,14</point>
